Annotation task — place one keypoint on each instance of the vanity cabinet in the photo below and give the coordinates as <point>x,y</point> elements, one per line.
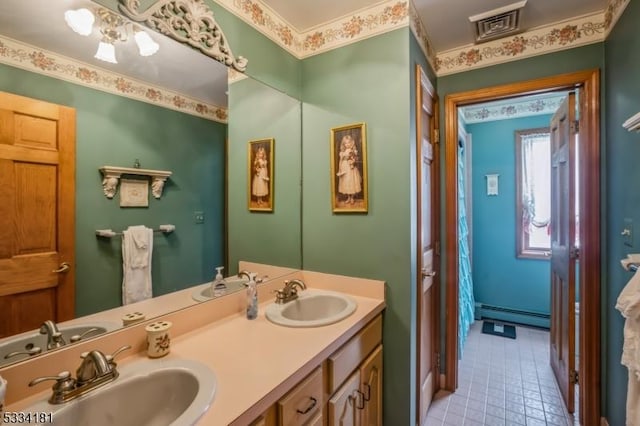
<point>345,390</point>
<point>358,398</point>
<point>303,404</point>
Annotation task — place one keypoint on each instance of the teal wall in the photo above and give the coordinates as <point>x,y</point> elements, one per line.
<point>112,130</point>
<point>623,201</point>
<point>521,284</point>
<point>366,82</point>
<point>257,111</point>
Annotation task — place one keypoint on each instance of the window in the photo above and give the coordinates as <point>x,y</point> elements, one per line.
<point>533,183</point>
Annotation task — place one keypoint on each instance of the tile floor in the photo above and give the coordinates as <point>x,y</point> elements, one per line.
<point>503,382</point>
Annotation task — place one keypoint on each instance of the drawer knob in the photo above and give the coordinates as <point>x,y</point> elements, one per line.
<point>310,407</point>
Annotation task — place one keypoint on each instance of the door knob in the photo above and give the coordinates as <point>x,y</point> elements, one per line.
<point>64,267</point>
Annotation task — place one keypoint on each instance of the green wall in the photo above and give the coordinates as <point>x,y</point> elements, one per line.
<point>257,111</point>
<point>112,130</point>
<point>518,283</point>
<point>365,82</point>
<point>621,164</point>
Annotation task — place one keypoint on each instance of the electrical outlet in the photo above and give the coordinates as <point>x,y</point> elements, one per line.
<point>627,232</point>
<point>198,217</point>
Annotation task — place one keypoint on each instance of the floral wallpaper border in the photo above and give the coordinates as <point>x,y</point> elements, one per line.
<point>394,14</point>
<point>34,59</point>
<point>613,12</point>
<point>375,20</point>
<point>506,110</point>
<point>420,32</point>
<point>550,38</point>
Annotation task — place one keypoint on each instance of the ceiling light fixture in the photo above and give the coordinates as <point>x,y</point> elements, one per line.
<point>106,52</point>
<point>114,28</point>
<point>146,45</point>
<point>80,21</point>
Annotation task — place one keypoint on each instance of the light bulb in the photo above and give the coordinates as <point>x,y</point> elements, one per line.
<point>80,20</point>
<point>146,45</point>
<point>106,52</point>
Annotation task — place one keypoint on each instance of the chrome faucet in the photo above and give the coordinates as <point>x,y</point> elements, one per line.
<point>54,337</point>
<point>96,369</point>
<point>289,292</point>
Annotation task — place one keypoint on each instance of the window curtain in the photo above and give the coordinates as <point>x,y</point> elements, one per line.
<point>466,301</point>
<point>534,214</point>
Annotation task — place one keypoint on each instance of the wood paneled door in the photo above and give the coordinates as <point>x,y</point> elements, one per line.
<point>37,213</point>
<point>427,231</point>
<point>563,251</point>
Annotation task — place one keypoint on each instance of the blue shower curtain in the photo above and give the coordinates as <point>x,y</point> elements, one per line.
<point>465,289</point>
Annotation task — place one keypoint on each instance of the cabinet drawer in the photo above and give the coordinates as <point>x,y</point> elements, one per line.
<point>346,359</point>
<point>304,402</point>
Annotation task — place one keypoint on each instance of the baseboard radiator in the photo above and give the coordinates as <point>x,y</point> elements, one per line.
<point>538,319</point>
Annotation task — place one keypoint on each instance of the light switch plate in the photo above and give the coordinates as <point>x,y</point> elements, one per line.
<point>627,232</point>
<point>198,217</point>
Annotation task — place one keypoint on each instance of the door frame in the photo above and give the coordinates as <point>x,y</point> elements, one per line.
<point>589,228</point>
<point>421,81</point>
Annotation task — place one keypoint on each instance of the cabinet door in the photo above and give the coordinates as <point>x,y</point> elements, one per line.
<point>303,402</point>
<point>343,406</point>
<point>268,418</point>
<point>371,388</point>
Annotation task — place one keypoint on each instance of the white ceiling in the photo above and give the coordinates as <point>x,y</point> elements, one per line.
<point>446,21</point>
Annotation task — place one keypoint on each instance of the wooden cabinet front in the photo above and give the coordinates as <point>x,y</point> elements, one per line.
<point>302,404</point>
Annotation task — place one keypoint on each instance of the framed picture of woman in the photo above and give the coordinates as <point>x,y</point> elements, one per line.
<point>260,175</point>
<point>349,192</point>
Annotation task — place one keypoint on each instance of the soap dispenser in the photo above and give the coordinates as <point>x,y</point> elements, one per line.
<point>218,286</point>
<point>252,297</point>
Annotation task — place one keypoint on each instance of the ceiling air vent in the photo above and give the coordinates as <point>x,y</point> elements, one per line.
<point>497,23</point>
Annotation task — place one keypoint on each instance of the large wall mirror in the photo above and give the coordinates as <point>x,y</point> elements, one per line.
<point>188,118</point>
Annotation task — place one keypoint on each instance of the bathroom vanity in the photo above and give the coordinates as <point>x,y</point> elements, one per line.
<point>266,374</point>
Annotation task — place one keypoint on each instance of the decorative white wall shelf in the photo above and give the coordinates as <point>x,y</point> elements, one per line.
<point>111,179</point>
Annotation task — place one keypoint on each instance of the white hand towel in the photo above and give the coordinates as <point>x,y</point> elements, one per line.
<point>137,247</point>
<point>628,304</point>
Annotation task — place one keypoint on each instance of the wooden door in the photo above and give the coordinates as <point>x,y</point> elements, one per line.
<point>37,213</point>
<point>563,252</point>
<point>428,206</point>
<point>343,407</point>
<point>371,388</point>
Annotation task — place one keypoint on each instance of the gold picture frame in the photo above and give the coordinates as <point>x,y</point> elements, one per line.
<point>260,168</point>
<point>349,182</point>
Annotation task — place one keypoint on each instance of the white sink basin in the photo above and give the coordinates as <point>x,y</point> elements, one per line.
<point>31,340</point>
<point>147,393</point>
<point>312,308</point>
<point>203,292</point>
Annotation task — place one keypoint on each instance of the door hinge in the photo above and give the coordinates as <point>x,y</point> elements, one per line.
<point>436,248</point>
<point>575,126</point>
<point>438,362</point>
<point>574,252</point>
<point>573,377</point>
<point>436,136</point>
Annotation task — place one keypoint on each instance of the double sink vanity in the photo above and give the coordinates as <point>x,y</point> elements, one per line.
<point>313,358</point>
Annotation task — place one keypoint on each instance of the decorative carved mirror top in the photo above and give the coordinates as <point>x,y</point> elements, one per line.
<point>187,21</point>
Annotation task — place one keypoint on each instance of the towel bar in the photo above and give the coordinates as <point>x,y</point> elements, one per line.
<point>108,233</point>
